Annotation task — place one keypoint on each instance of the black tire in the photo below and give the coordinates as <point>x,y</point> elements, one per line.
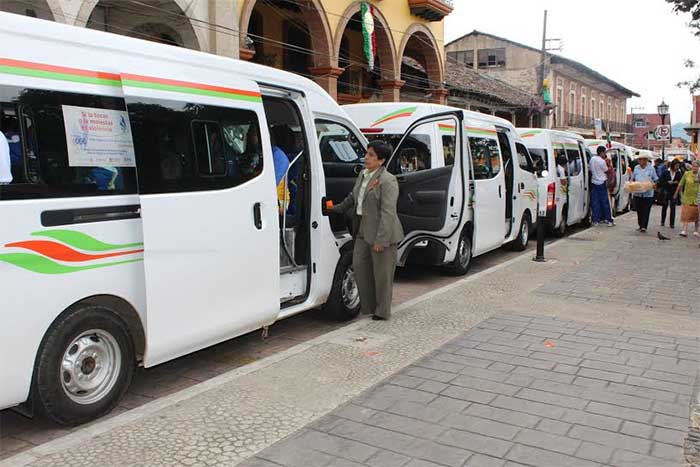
<point>463,260</point>
<point>560,231</point>
<point>341,306</point>
<point>520,243</point>
<point>50,395</point>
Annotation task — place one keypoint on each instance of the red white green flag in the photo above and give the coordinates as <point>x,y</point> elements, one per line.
<point>370,38</point>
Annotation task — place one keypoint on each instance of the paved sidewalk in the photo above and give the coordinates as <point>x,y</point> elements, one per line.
<point>586,359</point>
<point>517,390</point>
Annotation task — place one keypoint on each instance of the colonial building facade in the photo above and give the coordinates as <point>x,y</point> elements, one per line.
<point>321,39</point>
<point>579,94</point>
<point>693,129</point>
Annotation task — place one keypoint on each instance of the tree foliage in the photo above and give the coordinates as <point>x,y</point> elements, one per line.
<point>692,7</point>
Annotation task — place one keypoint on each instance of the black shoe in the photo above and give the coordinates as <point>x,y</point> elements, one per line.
<point>378,318</point>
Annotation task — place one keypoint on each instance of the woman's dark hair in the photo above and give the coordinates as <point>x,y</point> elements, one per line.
<point>381,149</point>
<point>600,150</point>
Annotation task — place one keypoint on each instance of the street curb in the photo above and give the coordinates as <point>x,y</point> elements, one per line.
<point>100,427</point>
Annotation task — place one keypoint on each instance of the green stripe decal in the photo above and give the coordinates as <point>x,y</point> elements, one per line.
<point>11,70</point>
<point>42,265</point>
<point>189,90</point>
<point>82,241</point>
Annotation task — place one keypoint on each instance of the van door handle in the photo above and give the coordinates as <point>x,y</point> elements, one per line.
<point>257,216</point>
<point>499,191</point>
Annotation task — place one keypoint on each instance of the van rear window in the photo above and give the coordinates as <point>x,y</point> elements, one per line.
<point>540,158</point>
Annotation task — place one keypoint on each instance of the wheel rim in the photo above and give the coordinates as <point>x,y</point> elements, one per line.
<point>525,233</point>
<point>90,366</point>
<point>464,252</point>
<point>349,292</point>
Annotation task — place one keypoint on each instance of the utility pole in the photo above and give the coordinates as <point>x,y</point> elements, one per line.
<point>544,56</point>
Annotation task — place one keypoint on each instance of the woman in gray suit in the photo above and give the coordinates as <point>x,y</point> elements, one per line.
<point>376,229</point>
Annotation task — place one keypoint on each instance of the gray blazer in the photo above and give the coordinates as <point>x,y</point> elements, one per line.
<point>380,223</point>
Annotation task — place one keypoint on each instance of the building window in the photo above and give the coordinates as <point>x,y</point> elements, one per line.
<point>592,108</point>
<point>490,58</point>
<point>583,106</point>
<point>463,57</point>
<point>640,123</point>
<point>572,102</point>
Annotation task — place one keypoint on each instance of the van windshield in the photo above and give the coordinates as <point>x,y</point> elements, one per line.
<point>539,158</point>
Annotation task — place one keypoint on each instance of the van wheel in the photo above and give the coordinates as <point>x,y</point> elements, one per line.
<point>460,265</point>
<point>344,300</point>
<point>84,365</point>
<point>561,230</point>
<point>520,243</point>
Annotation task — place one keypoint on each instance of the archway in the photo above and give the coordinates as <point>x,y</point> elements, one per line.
<point>160,21</point>
<point>293,35</point>
<point>421,66</point>
<point>357,83</point>
<point>33,8</point>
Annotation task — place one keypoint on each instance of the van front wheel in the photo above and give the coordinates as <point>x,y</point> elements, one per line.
<point>84,365</point>
<point>344,300</point>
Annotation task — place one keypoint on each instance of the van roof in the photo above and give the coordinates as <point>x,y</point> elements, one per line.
<point>524,132</point>
<point>387,107</point>
<point>19,26</point>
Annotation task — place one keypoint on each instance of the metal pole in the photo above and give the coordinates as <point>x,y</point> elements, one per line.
<point>663,142</point>
<point>542,60</point>
<point>539,256</point>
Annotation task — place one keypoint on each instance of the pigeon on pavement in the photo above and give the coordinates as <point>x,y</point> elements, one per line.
<point>662,236</point>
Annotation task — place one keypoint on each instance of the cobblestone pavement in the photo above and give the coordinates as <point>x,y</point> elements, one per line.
<point>516,390</point>
<point>228,419</point>
<point>18,433</point>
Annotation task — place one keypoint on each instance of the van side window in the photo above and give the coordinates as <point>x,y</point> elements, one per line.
<point>414,154</point>
<point>574,158</point>
<point>540,159</point>
<point>448,149</point>
<point>623,164</point>
<point>52,153</point>
<point>524,160</point>
<point>337,143</point>
<point>561,161</point>
<point>193,147</point>
<point>485,157</point>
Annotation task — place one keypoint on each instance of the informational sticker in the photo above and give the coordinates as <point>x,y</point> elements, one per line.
<point>98,137</point>
<point>344,151</point>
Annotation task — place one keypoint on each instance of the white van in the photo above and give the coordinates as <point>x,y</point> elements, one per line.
<point>143,220</point>
<point>468,172</point>
<point>620,156</point>
<point>562,166</point>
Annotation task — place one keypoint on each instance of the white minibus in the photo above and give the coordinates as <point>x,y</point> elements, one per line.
<point>620,156</point>
<point>562,166</point>
<point>469,172</point>
<point>143,220</point>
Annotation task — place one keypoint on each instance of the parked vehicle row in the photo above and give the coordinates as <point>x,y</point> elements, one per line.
<point>143,220</point>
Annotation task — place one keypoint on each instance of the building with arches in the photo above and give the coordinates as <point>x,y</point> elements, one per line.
<point>321,39</point>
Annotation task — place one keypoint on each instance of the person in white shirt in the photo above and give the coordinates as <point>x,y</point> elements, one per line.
<point>600,205</point>
<point>5,164</point>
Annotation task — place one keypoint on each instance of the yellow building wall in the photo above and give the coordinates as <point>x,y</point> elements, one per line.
<point>396,12</point>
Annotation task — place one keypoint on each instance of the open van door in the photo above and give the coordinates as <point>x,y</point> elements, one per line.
<point>431,199</point>
<point>208,208</point>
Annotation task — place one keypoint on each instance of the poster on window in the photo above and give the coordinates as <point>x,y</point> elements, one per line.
<point>98,137</point>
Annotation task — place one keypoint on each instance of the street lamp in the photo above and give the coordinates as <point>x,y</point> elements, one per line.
<point>663,112</point>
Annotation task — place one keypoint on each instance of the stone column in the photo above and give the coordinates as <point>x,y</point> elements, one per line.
<point>391,89</point>
<point>223,42</point>
<point>327,78</point>
<point>440,95</point>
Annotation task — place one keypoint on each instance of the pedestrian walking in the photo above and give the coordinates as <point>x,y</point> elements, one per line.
<point>600,204</point>
<point>644,200</point>
<point>377,231</point>
<point>688,192</point>
<point>668,182</point>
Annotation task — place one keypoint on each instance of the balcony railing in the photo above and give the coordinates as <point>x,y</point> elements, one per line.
<point>431,10</point>
<point>569,120</point>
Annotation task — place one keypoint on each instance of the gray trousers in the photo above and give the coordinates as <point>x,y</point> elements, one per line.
<point>374,274</point>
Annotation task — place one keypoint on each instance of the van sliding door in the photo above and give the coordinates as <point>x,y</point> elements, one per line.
<point>209,209</point>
